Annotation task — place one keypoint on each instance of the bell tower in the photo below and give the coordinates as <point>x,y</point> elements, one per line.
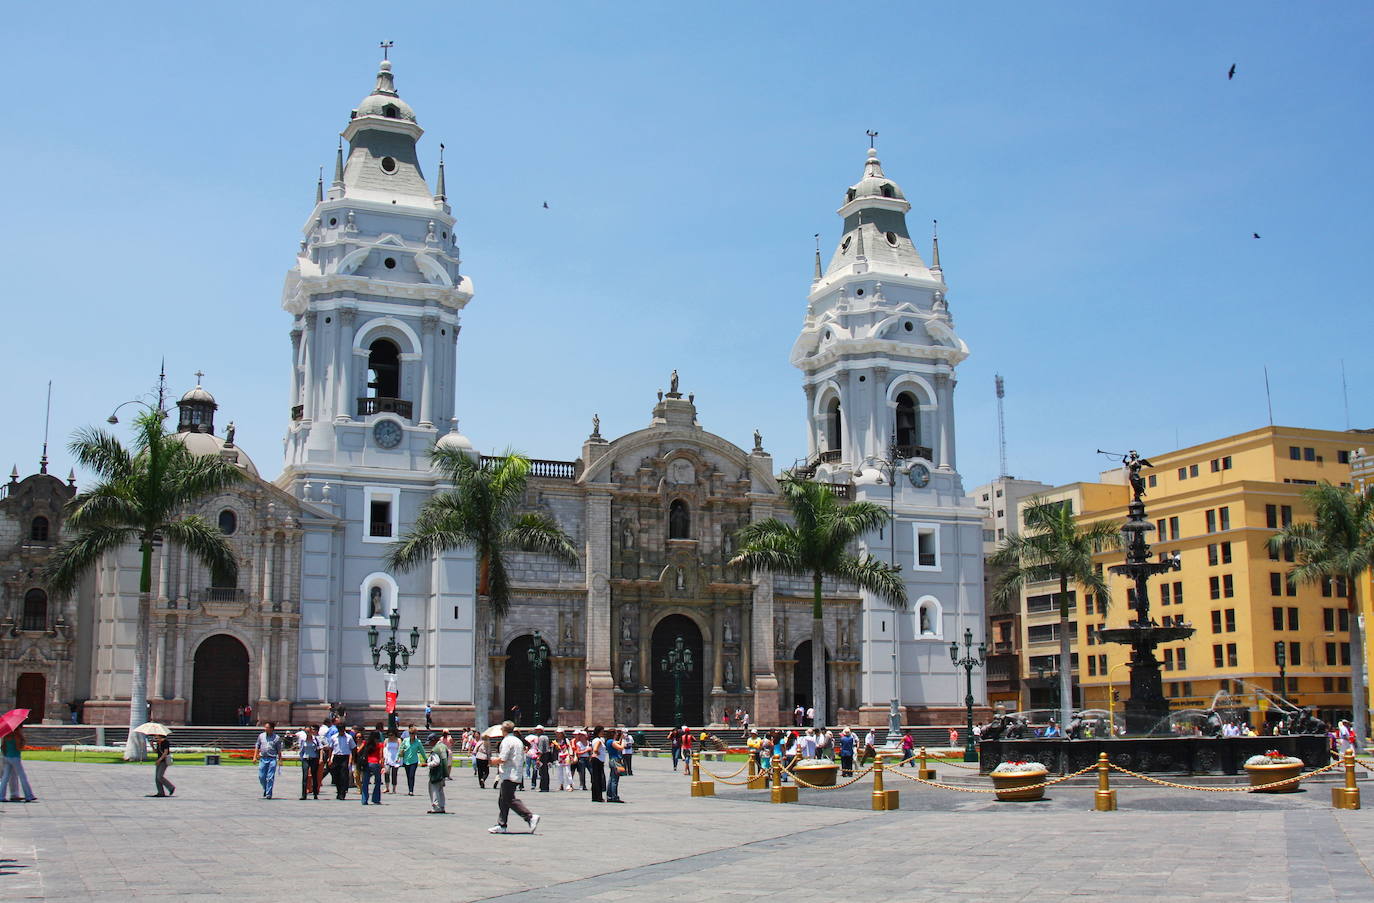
<point>878,354</point>
<point>375,297</point>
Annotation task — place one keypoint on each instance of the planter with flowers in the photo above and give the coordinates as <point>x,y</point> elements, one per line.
<point>1272,766</point>
<point>1011,776</point>
<point>817,772</point>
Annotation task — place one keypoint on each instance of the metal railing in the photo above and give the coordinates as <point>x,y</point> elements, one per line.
<point>913,451</point>
<point>829,456</point>
<point>368,406</point>
<point>539,467</point>
<point>221,594</point>
<point>380,528</point>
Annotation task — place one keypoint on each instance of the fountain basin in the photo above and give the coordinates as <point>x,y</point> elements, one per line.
<point>1155,755</point>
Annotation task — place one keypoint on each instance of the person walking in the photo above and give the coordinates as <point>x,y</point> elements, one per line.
<point>539,746</point>
<point>429,716</point>
<point>162,748</point>
<point>309,745</point>
<point>567,758</point>
<point>685,739</point>
<point>908,746</point>
<point>597,761</point>
<point>846,753</point>
<point>439,761</point>
<point>341,758</point>
<point>391,761</point>
<point>615,751</point>
<point>371,757</point>
<point>675,743</point>
<point>266,754</point>
<point>481,758</point>
<point>582,750</point>
<point>510,767</point>
<point>412,751</point>
<point>627,740</point>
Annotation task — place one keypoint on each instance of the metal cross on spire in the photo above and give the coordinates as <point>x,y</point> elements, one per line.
<point>386,47</point>
<point>199,376</point>
<point>871,136</point>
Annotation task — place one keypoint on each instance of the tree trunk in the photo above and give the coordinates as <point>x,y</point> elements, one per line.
<point>1358,705</point>
<point>135,748</point>
<point>818,655</point>
<point>1065,657</point>
<point>481,664</point>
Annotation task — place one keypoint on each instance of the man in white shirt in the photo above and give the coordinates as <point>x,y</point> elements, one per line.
<point>510,770</point>
<point>342,750</point>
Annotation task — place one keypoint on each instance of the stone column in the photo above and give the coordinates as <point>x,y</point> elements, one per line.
<point>269,546</point>
<point>184,589</point>
<point>178,666</point>
<point>284,690</point>
<point>812,448</point>
<point>942,395</point>
<point>428,323</point>
<point>717,648</point>
<point>746,664</point>
<point>162,565</point>
<point>264,664</point>
<point>600,683</point>
<point>343,375</point>
<point>885,426</point>
<point>155,688</point>
<point>307,383</point>
<point>296,365</point>
<point>764,678</point>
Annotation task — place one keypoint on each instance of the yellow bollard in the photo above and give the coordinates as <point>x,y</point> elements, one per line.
<point>883,800</point>
<point>781,793</point>
<point>757,779</point>
<point>700,787</point>
<point>1347,797</point>
<point>1104,800</point>
<point>923,772</point>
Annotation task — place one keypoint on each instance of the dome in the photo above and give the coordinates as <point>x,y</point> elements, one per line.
<point>199,394</point>
<point>384,101</point>
<point>454,440</point>
<point>874,184</point>
<point>200,444</point>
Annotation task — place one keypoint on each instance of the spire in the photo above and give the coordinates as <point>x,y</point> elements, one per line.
<point>319,187</point>
<point>935,247</point>
<point>817,276</point>
<point>338,165</point>
<point>385,83</point>
<point>441,194</point>
<point>71,477</point>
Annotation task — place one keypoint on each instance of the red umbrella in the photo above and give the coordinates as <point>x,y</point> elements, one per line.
<point>10,721</point>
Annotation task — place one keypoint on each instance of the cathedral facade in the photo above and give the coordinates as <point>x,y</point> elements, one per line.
<point>653,625</point>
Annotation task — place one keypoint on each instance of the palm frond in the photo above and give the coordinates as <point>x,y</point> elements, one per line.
<point>73,558</point>
<point>445,521</point>
<point>540,533</point>
<point>875,576</point>
<point>498,586</point>
<point>96,450</point>
<point>204,541</point>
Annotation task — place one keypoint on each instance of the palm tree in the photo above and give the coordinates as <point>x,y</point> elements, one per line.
<point>1338,544</point>
<point>480,513</point>
<point>139,497</point>
<point>816,545</point>
<point>1054,547</point>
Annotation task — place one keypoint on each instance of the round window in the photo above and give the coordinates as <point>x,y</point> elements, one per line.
<point>388,164</point>
<point>907,326</point>
<point>892,239</point>
<point>333,221</point>
<point>863,379</point>
<point>228,522</point>
<point>827,333</point>
<point>859,291</point>
<point>389,263</point>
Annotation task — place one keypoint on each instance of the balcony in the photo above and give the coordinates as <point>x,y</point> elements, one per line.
<point>912,451</point>
<point>380,528</point>
<point>221,594</point>
<point>842,491</point>
<point>297,412</point>
<point>370,406</point>
<point>553,470</point>
<point>830,456</point>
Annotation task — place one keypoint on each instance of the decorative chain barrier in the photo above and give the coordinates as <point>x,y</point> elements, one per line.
<point>858,777</point>
<point>953,764</point>
<point>1364,765</point>
<point>1039,786</point>
<point>723,777</point>
<point>1246,789</point>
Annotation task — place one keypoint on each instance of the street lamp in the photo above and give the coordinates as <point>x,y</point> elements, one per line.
<point>678,663</point>
<point>890,467</point>
<point>1040,671</point>
<point>968,663</point>
<point>538,654</point>
<point>1281,656</point>
<point>393,651</point>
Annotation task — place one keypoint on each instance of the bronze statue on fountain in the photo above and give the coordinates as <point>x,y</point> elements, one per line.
<point>1147,709</point>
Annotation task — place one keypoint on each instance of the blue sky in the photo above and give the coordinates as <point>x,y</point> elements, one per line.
<point>1096,178</point>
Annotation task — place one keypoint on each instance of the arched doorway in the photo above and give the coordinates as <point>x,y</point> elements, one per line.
<point>520,683</point>
<point>30,692</point>
<point>664,641</point>
<point>801,680</point>
<point>219,680</point>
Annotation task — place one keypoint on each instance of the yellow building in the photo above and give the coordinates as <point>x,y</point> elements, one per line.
<point>1362,475</point>
<point>1216,505</point>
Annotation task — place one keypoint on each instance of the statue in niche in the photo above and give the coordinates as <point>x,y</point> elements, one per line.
<point>627,535</point>
<point>925,620</point>
<point>681,580</point>
<point>627,672</point>
<point>626,629</point>
<point>681,472</point>
<point>567,632</point>
<point>374,602</point>
<point>729,672</point>
<point>779,633</point>
<point>729,630</point>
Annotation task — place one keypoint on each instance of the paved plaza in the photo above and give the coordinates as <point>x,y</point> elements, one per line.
<point>93,835</point>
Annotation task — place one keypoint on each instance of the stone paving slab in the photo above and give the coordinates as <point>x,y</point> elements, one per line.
<point>94,836</point>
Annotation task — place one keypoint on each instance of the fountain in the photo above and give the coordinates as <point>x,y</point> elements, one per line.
<point>1153,743</point>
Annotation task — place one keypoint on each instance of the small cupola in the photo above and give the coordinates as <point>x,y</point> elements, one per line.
<point>197,411</point>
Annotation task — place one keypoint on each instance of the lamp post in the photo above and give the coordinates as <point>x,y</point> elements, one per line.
<point>538,654</point>
<point>1281,656</point>
<point>1040,672</point>
<point>890,468</point>
<point>678,663</point>
<point>968,662</point>
<point>393,650</point>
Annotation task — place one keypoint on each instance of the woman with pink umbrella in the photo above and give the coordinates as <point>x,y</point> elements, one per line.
<point>11,747</point>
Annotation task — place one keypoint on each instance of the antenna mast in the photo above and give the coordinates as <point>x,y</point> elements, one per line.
<point>1001,425</point>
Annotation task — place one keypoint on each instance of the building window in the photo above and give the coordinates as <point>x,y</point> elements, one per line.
<point>383,369</point>
<point>908,425</point>
<point>1214,587</point>
<point>1130,597</point>
<point>929,618</point>
<point>1292,618</point>
<point>1212,556</point>
<point>1331,653</point>
<point>1294,453</point>
<point>1216,620</point>
<point>1224,516</point>
<point>1295,653</point>
<point>1211,517</point>
<point>35,610</point>
<point>1232,659</point>
<point>228,522</point>
<point>1342,457</point>
<point>1183,660</point>
<point>1192,470</point>
<point>1164,594</point>
<point>1218,656</point>
<point>1228,586</point>
<point>1329,620</point>
<point>1183,473</point>
<point>1178,593</point>
<point>382,507</point>
<point>927,547</point>
<point>1173,528</point>
<point>1226,553</point>
<point>1153,481</point>
<point>1215,464</point>
<point>1309,454</point>
<point>679,520</point>
<point>1226,463</point>
<point>38,529</point>
<point>1285,515</point>
<point>1230,620</point>
<point>1345,654</point>
<point>833,422</point>
<point>1271,516</point>
<point>1168,659</point>
<point>1088,604</point>
<point>1278,618</point>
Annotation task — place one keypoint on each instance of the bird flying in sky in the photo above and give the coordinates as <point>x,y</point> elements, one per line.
<point>1254,234</point>
<point>546,205</point>
<point>1231,74</point>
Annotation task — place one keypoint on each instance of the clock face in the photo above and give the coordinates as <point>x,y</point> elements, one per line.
<point>387,433</point>
<point>919,475</point>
